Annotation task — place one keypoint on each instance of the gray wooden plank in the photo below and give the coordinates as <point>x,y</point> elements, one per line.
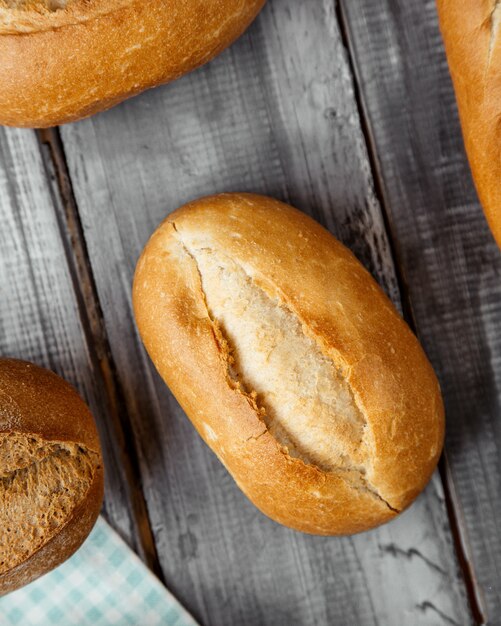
<point>448,256</point>
<point>275,114</point>
<point>40,319</point>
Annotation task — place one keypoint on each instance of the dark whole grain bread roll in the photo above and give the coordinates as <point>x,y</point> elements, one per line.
<point>291,363</point>
<point>51,472</point>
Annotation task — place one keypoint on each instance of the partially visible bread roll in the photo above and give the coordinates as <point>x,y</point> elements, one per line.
<point>51,472</point>
<point>62,60</point>
<point>291,363</point>
<point>472,36</point>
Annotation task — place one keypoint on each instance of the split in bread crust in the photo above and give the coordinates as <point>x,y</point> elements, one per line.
<point>41,484</point>
<point>300,394</point>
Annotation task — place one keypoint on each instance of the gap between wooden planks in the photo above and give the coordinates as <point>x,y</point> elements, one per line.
<point>40,305</point>
<point>453,506</point>
<point>452,266</point>
<point>92,319</point>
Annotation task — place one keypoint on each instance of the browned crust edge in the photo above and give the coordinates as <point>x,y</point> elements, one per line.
<point>34,400</point>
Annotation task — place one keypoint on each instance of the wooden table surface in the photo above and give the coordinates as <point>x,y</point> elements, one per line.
<point>345,109</point>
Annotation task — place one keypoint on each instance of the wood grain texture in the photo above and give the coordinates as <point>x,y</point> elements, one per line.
<point>451,264</point>
<point>276,114</point>
<point>40,318</point>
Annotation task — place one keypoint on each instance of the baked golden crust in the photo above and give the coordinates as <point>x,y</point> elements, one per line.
<point>352,321</point>
<point>471,32</point>
<point>37,402</point>
<point>63,65</point>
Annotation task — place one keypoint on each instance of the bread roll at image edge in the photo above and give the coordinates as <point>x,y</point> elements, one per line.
<point>472,35</point>
<point>64,64</point>
<point>290,361</point>
<point>38,408</point>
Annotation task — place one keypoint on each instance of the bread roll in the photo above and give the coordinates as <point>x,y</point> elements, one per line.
<point>471,31</point>
<point>290,361</point>
<point>51,473</point>
<point>62,60</point>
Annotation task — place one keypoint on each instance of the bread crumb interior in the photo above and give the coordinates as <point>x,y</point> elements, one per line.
<point>308,405</point>
<point>41,483</point>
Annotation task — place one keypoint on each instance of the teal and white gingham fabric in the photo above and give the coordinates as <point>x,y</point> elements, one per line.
<point>103,584</point>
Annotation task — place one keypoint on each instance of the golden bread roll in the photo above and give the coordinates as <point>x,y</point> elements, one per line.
<point>291,363</point>
<point>62,60</point>
<point>472,35</point>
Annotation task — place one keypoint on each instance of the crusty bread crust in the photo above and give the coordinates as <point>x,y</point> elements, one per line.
<point>352,321</point>
<point>60,66</point>
<point>472,34</point>
<point>62,545</point>
<point>35,401</point>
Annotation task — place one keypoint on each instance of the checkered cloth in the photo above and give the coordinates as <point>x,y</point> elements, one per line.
<point>103,584</point>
